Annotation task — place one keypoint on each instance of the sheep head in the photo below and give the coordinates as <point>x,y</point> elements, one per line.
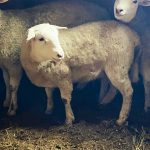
<point>44,43</point>
<point>125,10</point>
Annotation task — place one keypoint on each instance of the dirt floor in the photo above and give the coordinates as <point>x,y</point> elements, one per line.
<point>83,135</point>
<point>94,128</point>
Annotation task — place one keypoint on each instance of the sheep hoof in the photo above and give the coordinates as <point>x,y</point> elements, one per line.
<point>48,112</point>
<point>11,113</point>
<point>121,122</point>
<point>6,103</point>
<point>69,122</point>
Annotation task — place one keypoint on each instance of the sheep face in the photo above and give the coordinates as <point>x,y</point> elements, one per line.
<point>44,43</point>
<point>125,10</point>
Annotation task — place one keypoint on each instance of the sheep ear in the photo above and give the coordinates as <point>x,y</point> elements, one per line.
<point>30,34</point>
<point>144,2</point>
<point>59,27</point>
<point>3,1</point>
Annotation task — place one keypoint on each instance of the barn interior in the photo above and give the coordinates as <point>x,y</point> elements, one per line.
<point>94,127</point>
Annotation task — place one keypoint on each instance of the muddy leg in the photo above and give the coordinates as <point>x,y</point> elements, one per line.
<point>66,90</point>
<point>15,76</point>
<point>49,108</point>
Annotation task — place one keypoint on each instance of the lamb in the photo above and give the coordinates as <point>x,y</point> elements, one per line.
<point>125,10</point>
<point>59,58</point>
<point>13,26</point>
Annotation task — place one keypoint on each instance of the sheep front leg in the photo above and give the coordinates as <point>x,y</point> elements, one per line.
<point>15,76</point>
<point>66,90</point>
<point>8,94</point>
<point>121,81</point>
<point>49,108</point>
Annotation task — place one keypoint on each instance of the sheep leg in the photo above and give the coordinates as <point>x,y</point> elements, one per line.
<point>8,94</point>
<point>49,107</point>
<point>103,88</point>
<point>66,90</point>
<point>121,81</point>
<point>15,76</point>
<point>109,96</point>
<point>146,79</point>
<point>147,95</point>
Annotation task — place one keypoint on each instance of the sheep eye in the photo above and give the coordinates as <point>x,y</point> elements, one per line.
<point>41,39</point>
<point>135,1</point>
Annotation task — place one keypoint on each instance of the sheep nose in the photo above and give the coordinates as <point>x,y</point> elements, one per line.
<point>60,56</point>
<point>119,11</point>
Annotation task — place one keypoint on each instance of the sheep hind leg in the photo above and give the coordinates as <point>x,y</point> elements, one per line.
<point>122,83</point>
<point>66,90</point>
<point>103,88</point>
<point>15,76</point>
<point>109,96</point>
<point>147,95</point>
<point>50,104</point>
<point>6,102</point>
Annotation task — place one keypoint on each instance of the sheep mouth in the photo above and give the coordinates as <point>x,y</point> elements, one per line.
<point>120,15</point>
<point>56,60</point>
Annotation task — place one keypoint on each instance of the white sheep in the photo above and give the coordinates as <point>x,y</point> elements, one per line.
<point>86,54</point>
<point>125,10</point>
<point>141,24</point>
<point>13,26</point>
